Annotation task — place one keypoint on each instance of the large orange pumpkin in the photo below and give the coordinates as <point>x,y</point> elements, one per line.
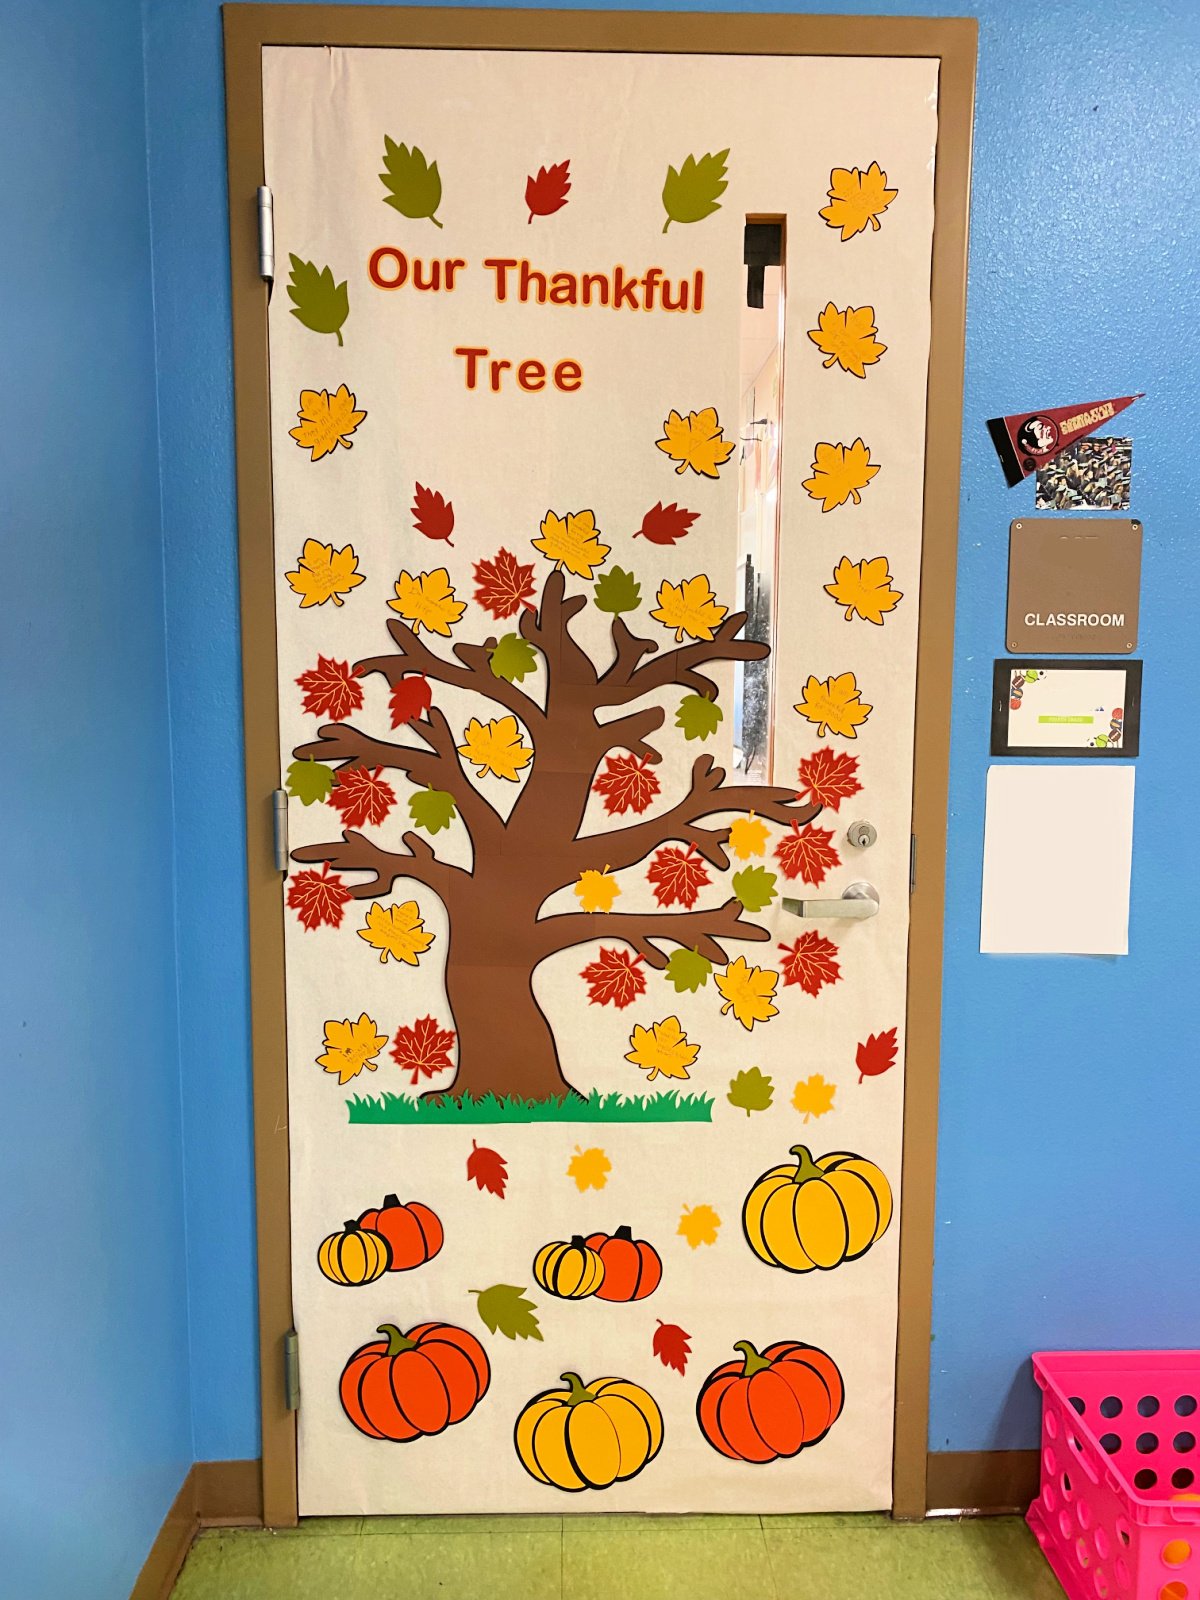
<point>413,1232</point>
<point>420,1382</point>
<point>762,1407</point>
<point>632,1268</point>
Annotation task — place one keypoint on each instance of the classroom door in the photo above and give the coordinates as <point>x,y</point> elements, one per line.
<point>595,1061</point>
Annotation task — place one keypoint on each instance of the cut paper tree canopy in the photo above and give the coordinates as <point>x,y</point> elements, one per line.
<point>317,302</point>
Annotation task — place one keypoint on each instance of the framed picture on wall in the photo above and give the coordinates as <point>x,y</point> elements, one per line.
<point>1088,709</point>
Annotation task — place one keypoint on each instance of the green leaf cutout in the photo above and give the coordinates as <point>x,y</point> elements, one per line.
<point>414,187</point>
<point>754,887</point>
<point>751,1090</point>
<point>698,717</point>
<point>687,969</point>
<point>320,304</point>
<point>309,781</point>
<point>513,658</point>
<point>505,1310</point>
<point>617,590</point>
<point>432,809</point>
<point>693,193</point>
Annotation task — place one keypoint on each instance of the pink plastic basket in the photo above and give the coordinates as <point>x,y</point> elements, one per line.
<point>1118,1515</point>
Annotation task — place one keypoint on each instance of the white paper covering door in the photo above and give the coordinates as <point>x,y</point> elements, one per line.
<point>540,984</point>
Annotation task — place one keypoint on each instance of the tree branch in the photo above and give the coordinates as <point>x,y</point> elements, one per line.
<point>471,671</point>
<point>568,665</point>
<point>694,930</point>
<point>627,680</point>
<point>629,733</point>
<point>356,853</point>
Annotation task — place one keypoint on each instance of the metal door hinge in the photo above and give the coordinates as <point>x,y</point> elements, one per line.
<point>266,234</point>
<point>291,1370</point>
<point>279,813</point>
<point>912,862</point>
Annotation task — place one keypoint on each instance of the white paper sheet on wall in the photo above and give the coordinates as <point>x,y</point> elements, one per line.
<point>1057,853</point>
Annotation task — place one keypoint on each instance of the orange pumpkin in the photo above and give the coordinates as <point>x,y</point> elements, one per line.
<point>632,1268</point>
<point>420,1382</point>
<point>763,1407</point>
<point>413,1232</point>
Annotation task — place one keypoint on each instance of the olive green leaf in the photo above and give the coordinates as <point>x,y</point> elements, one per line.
<point>320,304</point>
<point>513,658</point>
<point>698,716</point>
<point>432,809</point>
<point>693,193</point>
<point>751,1090</point>
<point>308,781</point>
<point>505,1310</point>
<point>687,969</point>
<point>754,887</point>
<point>414,187</point>
<point>617,590</point>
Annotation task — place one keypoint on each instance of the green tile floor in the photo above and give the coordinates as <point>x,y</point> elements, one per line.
<point>620,1558</point>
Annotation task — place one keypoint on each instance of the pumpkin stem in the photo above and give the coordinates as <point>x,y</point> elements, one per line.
<point>624,1233</point>
<point>578,1242</point>
<point>397,1343</point>
<point>575,1384</point>
<point>350,1227</point>
<point>806,1167</point>
<point>389,1200</point>
<point>754,1362</point>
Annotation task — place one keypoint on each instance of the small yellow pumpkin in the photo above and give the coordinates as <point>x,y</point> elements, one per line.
<point>571,1271</point>
<point>354,1257</point>
<point>588,1437</point>
<point>817,1214</point>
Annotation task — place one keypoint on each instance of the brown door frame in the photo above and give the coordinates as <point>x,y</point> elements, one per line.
<point>248,28</point>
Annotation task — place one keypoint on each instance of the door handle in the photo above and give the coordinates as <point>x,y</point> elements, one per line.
<point>859,901</point>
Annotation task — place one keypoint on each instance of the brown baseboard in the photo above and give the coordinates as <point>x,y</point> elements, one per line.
<point>215,1494</point>
<point>985,1483</point>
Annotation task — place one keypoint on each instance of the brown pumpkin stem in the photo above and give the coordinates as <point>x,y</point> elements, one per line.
<point>575,1383</point>
<point>754,1362</point>
<point>397,1343</point>
<point>624,1233</point>
<point>806,1167</point>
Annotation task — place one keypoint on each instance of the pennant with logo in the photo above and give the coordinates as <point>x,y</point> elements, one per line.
<point>1030,439</point>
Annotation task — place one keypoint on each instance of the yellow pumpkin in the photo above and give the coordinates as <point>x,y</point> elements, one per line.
<point>817,1214</point>
<point>570,1271</point>
<point>588,1437</point>
<point>355,1256</point>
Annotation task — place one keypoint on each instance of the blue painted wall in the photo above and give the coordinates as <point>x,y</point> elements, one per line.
<point>95,1426</point>
<point>1069,1100</point>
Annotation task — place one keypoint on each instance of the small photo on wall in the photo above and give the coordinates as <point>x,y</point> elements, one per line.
<point>1092,474</point>
<point>1054,708</point>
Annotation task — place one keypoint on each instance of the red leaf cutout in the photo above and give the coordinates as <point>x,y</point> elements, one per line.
<point>613,979</point>
<point>433,515</point>
<point>488,1169</point>
<point>671,1346</point>
<point>665,524</point>
<point>424,1049</point>
<point>808,854</point>
<point>503,584</point>
<point>627,784</point>
<point>362,796</point>
<point>827,778</point>
<point>677,876</point>
<point>318,897</point>
<point>410,698</point>
<point>810,962</point>
<point>547,193</point>
<point>331,689</point>
<point>876,1055</point>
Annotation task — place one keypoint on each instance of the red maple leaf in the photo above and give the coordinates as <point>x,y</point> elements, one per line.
<point>424,1049</point>
<point>433,514</point>
<point>677,876</point>
<point>318,897</point>
<point>614,979</point>
<point>808,854</point>
<point>671,1346</point>
<point>410,698</point>
<point>810,962</point>
<point>664,524</point>
<point>362,795</point>
<point>627,784</point>
<point>488,1169</point>
<point>547,193</point>
<point>827,777</point>
<point>502,584</point>
<point>331,689</point>
<point>877,1054</point>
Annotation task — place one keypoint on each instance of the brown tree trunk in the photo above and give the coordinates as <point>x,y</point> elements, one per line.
<point>504,1041</point>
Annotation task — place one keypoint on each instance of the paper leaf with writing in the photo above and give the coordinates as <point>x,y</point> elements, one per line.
<point>572,542</point>
<point>813,1097</point>
<point>350,1047</point>
<point>876,1054</point>
<point>513,658</point>
<point>666,524</point>
<point>698,716</point>
<point>323,573</point>
<point>694,191</point>
<point>589,1169</point>
<point>396,931</point>
<point>856,199</point>
<point>627,784</point>
<point>690,608</point>
<point>839,471</point>
<point>423,1050</point>
<point>411,698</point>
<point>751,1090</point>
<point>748,992</point>
<point>662,1049</point>
<point>835,706</point>
<point>330,689</point>
<point>672,1346</point>
<point>504,1309</point>
<point>754,887</point>
<point>847,338</point>
<point>617,591</point>
<point>677,876</point>
<point>495,747</point>
<point>414,186</point>
<point>748,837</point>
<point>596,890</point>
<point>687,971</point>
<point>807,853</point>
<point>433,514</point>
<point>697,441</point>
<point>811,962</point>
<point>503,584</point>
<point>547,192</point>
<point>827,777</point>
<point>309,781</point>
<point>487,1170</point>
<point>699,1225</point>
<point>427,601</point>
<point>326,421</point>
<point>864,588</point>
<point>362,795</point>
<point>318,898</point>
<point>432,809</point>
<point>613,979</point>
<point>318,303</point>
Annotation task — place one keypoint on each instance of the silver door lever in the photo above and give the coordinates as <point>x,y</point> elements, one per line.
<point>859,901</point>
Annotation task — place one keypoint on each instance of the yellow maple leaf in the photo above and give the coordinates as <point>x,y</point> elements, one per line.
<point>699,1225</point>
<point>496,747</point>
<point>351,1046</point>
<point>572,541</point>
<point>748,992</point>
<point>856,198</point>
<point>589,1168</point>
<point>747,837</point>
<point>323,573</point>
<point>865,587</point>
<point>847,338</point>
<point>814,1096</point>
<point>427,601</point>
<point>325,421</point>
<point>396,931</point>
<point>597,890</point>
<point>839,472</point>
<point>697,441</point>
<point>689,607</point>
<point>662,1048</point>
<point>834,705</point>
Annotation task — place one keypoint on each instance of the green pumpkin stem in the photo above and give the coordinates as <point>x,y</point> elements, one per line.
<point>578,1392</point>
<point>754,1362</point>
<point>397,1343</point>
<point>806,1167</point>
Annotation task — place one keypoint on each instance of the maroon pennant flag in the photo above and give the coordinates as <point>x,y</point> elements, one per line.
<point>1031,438</point>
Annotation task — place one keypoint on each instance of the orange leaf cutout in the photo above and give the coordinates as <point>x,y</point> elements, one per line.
<point>666,524</point>
<point>626,783</point>
<point>876,1055</point>
<point>423,1049</point>
<point>839,472</point>
<point>614,979</point>
<point>318,897</point>
<point>433,514</point>
<point>808,854</point>
<point>362,796</point>
<point>410,698</point>
<point>847,338</point>
<point>547,193</point>
<point>856,199</point>
<point>677,876</point>
<point>487,1169</point>
<point>672,1346</point>
<point>331,689</point>
<point>503,584</point>
<point>827,777</point>
<point>810,962</point>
